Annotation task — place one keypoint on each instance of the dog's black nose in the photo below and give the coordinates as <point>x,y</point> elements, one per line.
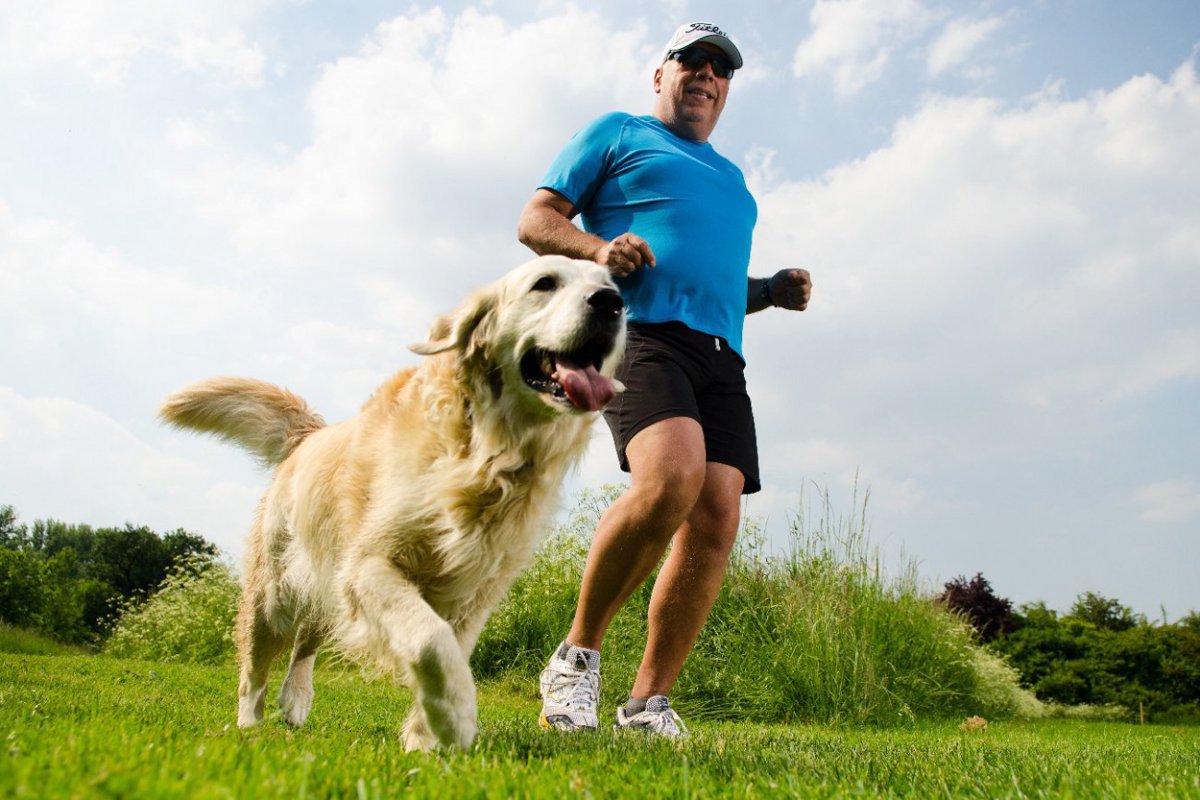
<point>606,301</point>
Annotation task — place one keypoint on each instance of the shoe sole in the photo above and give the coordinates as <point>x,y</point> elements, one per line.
<point>546,724</point>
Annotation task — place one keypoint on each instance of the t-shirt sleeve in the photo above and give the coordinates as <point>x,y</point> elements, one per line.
<point>584,162</point>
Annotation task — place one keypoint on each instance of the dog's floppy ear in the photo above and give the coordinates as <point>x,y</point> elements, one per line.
<point>462,328</point>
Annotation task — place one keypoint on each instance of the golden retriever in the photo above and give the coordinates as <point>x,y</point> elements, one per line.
<point>394,534</point>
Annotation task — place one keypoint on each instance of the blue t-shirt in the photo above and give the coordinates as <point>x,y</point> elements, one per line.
<point>632,174</point>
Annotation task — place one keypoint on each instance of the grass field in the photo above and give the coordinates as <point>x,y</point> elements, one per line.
<point>87,726</point>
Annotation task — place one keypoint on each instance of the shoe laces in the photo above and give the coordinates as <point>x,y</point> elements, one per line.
<point>584,685</point>
<point>660,718</point>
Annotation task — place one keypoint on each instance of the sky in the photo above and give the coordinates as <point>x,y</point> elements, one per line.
<point>997,202</point>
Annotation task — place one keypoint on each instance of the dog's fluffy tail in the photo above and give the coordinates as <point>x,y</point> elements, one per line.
<point>268,421</point>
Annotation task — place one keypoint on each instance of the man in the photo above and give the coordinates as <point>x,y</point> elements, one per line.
<point>672,220</point>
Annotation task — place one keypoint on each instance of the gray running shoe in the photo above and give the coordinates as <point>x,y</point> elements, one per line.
<point>570,687</point>
<point>659,719</point>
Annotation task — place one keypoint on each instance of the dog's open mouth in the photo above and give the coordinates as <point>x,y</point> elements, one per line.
<point>570,378</point>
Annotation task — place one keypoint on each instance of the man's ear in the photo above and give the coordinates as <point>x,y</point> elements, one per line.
<point>466,327</point>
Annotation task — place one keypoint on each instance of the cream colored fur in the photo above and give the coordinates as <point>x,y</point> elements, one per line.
<point>393,535</point>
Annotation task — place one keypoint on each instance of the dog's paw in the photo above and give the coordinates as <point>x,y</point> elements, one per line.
<point>295,704</point>
<point>416,734</point>
<point>451,724</point>
<point>248,717</point>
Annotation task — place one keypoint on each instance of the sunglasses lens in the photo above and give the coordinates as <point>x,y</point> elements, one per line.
<point>694,59</point>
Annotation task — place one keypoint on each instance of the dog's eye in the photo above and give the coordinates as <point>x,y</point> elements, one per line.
<point>546,283</point>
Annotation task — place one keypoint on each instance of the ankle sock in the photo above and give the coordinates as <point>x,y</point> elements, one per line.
<point>584,658</point>
<point>635,705</point>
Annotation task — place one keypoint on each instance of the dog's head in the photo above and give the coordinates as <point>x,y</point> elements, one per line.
<point>549,335</point>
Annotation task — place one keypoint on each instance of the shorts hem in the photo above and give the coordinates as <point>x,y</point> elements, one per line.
<point>751,483</point>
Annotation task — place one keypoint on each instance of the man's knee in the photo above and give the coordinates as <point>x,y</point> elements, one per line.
<point>670,492</point>
<point>667,464</point>
<point>717,513</point>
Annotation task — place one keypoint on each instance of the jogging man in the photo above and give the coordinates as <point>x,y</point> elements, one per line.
<point>672,220</point>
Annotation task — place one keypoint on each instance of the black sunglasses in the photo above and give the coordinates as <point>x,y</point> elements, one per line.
<point>693,58</point>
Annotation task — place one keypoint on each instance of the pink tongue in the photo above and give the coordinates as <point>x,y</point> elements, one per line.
<point>586,388</point>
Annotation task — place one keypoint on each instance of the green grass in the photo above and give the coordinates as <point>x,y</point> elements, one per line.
<point>87,726</point>
<point>20,640</point>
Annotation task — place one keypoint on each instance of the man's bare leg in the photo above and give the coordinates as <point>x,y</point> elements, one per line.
<point>667,470</point>
<point>690,580</point>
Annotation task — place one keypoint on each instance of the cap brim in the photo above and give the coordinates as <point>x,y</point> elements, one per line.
<point>725,46</point>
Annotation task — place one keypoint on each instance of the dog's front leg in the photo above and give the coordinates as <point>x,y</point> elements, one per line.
<point>404,631</point>
<point>468,623</point>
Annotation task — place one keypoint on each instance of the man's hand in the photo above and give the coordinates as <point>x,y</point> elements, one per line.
<point>790,289</point>
<point>625,254</point>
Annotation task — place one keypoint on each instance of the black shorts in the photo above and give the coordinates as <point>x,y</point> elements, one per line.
<point>670,370</point>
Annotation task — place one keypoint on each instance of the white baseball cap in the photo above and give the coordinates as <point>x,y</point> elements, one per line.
<point>695,32</point>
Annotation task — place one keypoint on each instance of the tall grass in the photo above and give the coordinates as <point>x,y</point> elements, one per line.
<point>189,619</point>
<point>819,631</point>
<point>33,643</point>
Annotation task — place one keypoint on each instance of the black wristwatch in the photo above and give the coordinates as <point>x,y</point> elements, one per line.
<point>765,292</point>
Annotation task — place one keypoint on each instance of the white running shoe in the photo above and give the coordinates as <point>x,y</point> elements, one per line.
<point>659,719</point>
<point>570,689</point>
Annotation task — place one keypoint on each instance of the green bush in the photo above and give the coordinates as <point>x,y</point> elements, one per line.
<point>1101,654</point>
<point>190,618</point>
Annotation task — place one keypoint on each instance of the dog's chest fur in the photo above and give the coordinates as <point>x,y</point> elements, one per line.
<point>470,522</point>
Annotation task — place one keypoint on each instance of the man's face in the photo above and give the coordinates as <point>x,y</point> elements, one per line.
<point>690,101</point>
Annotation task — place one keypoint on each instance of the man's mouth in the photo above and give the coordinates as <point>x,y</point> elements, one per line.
<point>696,91</point>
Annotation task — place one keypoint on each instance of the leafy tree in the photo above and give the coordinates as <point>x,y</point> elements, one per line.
<point>130,559</point>
<point>989,614</point>
<point>1101,653</point>
<point>21,595</point>
<point>13,535</point>
<point>180,544</point>
<point>66,580</point>
<point>1105,614</point>
<point>52,536</point>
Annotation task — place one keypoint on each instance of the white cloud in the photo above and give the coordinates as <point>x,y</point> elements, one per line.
<point>102,38</point>
<point>188,134</point>
<point>958,42</point>
<point>853,40</point>
<point>438,123</point>
<point>62,459</point>
<point>994,280</point>
<point>1169,501</point>
<point>55,281</point>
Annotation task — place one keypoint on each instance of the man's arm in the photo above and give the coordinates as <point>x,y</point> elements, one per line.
<point>545,227</point>
<point>788,288</point>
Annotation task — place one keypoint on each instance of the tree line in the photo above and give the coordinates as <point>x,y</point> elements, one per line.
<point>1098,653</point>
<point>67,580</point>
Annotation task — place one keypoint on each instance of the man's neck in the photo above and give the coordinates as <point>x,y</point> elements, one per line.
<point>684,129</point>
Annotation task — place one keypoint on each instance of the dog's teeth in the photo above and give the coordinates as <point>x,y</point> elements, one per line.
<point>618,387</point>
